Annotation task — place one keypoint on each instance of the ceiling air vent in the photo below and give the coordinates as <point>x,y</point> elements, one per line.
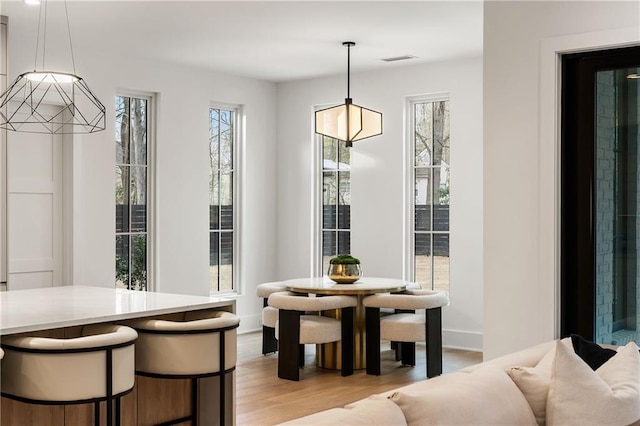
<point>398,58</point>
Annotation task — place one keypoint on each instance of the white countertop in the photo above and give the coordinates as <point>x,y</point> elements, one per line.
<point>55,307</point>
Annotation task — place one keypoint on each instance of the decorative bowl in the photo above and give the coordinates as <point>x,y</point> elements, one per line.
<point>344,273</point>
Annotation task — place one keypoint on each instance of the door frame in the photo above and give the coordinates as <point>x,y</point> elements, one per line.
<point>578,184</point>
<point>4,21</point>
<point>548,159</point>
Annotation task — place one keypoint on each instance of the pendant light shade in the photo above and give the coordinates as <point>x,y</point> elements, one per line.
<point>51,102</point>
<point>348,122</point>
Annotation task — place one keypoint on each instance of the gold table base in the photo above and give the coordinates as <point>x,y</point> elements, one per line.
<point>328,354</point>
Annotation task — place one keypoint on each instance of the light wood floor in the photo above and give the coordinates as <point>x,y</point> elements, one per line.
<point>264,399</point>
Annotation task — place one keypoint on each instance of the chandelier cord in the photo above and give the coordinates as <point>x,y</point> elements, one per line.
<point>43,26</point>
<point>44,37</point>
<point>348,70</point>
<point>66,12</point>
<point>35,61</point>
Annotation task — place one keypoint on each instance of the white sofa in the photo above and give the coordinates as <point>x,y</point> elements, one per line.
<point>523,388</point>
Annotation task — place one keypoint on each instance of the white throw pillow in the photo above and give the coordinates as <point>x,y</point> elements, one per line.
<point>375,410</point>
<point>487,396</point>
<point>608,396</point>
<point>534,382</point>
<point>534,385</point>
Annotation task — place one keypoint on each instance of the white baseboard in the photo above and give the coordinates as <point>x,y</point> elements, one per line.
<point>250,323</point>
<point>457,339</point>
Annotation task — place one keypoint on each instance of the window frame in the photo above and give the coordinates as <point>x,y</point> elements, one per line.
<point>237,145</point>
<point>152,107</point>
<point>317,229</point>
<point>409,193</point>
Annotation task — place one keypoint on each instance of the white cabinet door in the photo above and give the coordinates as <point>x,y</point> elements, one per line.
<point>34,208</point>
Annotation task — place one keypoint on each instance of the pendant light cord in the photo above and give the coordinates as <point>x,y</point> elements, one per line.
<point>348,70</point>
<point>66,12</point>
<point>44,37</point>
<point>349,45</point>
<point>35,61</point>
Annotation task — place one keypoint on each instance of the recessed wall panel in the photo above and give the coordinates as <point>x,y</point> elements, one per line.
<point>31,229</point>
<point>30,156</point>
<point>29,280</point>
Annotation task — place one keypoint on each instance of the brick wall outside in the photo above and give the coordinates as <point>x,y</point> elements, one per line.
<point>605,204</point>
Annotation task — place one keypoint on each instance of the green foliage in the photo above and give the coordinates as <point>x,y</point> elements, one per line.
<point>345,259</point>
<point>138,264</point>
<point>443,195</point>
<point>119,191</point>
<point>122,269</point>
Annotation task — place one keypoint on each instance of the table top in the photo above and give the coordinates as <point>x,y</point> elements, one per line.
<point>365,285</point>
<point>56,307</point>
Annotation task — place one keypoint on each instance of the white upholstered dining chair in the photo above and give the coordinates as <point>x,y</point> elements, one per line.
<point>269,315</point>
<point>406,327</point>
<point>295,328</point>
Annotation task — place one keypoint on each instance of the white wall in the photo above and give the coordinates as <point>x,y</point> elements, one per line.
<point>520,156</point>
<point>519,304</point>
<point>184,96</point>
<point>378,194</point>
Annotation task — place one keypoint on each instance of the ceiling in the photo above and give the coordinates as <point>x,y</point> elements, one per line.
<point>268,40</point>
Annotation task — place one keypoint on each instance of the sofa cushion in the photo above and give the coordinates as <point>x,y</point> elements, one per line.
<point>534,382</point>
<point>375,410</point>
<point>534,385</point>
<point>608,396</point>
<point>485,396</point>
<point>528,357</point>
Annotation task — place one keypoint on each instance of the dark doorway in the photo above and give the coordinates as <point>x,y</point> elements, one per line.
<point>600,195</point>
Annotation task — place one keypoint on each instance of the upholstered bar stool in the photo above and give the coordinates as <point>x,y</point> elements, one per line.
<point>202,344</point>
<point>269,316</point>
<point>295,329</point>
<point>97,366</point>
<point>406,327</point>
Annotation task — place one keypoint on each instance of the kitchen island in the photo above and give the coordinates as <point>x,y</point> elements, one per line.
<point>60,312</point>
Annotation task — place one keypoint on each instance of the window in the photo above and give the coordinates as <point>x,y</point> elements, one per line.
<point>336,200</point>
<point>132,195</point>
<point>430,176</point>
<point>222,198</point>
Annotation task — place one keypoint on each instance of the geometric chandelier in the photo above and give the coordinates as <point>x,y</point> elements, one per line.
<point>51,102</point>
<point>348,122</point>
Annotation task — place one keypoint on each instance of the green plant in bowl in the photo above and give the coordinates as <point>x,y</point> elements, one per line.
<point>346,259</point>
<point>344,269</point>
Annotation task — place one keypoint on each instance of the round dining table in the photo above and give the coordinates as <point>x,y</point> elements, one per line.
<point>328,354</point>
